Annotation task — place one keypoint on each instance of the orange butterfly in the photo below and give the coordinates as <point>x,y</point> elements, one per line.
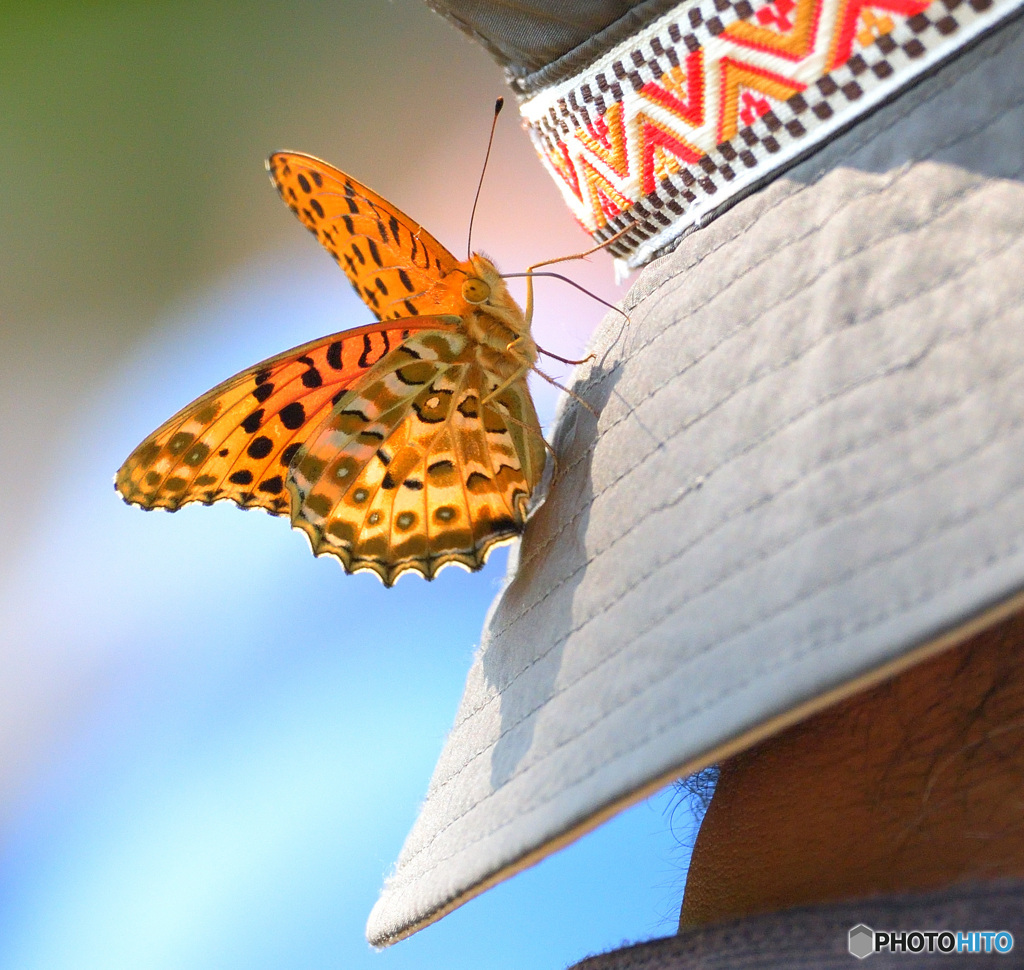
<point>407,444</point>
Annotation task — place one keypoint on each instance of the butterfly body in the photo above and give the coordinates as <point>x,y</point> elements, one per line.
<point>408,444</point>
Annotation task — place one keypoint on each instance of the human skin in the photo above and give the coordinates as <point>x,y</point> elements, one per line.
<point>913,785</point>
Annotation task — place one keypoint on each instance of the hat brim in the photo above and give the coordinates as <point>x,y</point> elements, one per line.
<point>807,474</point>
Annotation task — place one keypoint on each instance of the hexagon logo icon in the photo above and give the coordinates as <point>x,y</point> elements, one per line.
<point>862,941</point>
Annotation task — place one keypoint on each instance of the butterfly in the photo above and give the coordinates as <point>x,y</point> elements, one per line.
<point>408,444</point>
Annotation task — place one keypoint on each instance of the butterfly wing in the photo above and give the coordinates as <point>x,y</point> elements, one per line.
<point>238,440</point>
<point>412,472</point>
<point>395,265</point>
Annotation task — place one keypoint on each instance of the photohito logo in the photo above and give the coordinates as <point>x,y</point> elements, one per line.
<point>863,941</point>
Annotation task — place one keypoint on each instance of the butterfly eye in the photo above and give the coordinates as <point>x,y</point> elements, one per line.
<point>475,290</point>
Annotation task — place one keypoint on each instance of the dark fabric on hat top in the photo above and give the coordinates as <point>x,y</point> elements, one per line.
<point>530,36</point>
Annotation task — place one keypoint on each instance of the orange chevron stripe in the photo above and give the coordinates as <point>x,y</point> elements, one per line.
<point>735,76</point>
<point>606,140</point>
<point>794,44</point>
<point>661,151</point>
<point>605,200</point>
<point>562,164</point>
<point>682,93</point>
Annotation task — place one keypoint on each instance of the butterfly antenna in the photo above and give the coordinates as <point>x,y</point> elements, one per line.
<point>498,105</point>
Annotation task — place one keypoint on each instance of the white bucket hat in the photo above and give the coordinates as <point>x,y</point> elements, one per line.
<point>807,472</point>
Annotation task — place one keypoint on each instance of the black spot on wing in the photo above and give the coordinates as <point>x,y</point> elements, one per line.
<point>374,252</point>
<point>243,477</point>
<point>252,423</point>
<point>304,182</point>
<point>260,447</point>
<point>334,355</point>
<point>404,277</point>
<point>289,453</point>
<point>293,415</point>
<point>262,392</point>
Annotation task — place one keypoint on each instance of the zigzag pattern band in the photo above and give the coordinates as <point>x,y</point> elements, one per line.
<point>716,96</point>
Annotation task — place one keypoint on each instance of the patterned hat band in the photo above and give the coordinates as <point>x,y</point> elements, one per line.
<point>717,96</point>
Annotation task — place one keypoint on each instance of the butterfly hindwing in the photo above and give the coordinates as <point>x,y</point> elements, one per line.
<point>411,472</point>
<point>238,440</point>
<point>396,266</point>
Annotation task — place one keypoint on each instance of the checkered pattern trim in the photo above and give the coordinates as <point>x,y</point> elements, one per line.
<point>717,96</point>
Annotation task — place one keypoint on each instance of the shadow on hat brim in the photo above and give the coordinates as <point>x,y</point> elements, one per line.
<point>807,475</point>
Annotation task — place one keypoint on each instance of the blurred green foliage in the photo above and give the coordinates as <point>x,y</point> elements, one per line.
<point>134,136</point>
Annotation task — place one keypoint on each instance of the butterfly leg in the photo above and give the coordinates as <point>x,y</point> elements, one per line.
<point>532,431</point>
<point>504,384</point>
<point>565,360</point>
<point>567,390</point>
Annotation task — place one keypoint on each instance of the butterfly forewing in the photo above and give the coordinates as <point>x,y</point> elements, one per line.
<point>410,472</point>
<point>238,440</point>
<point>396,266</point>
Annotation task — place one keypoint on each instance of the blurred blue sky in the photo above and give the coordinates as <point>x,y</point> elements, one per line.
<point>257,728</point>
<point>212,745</point>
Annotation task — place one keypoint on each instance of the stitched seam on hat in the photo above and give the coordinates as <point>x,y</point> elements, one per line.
<point>935,284</point>
<point>667,333</point>
<point>952,203</point>
<point>711,471</point>
<point>801,286</point>
<point>863,140</point>
<point>703,537</point>
<point>795,655</point>
<point>884,494</point>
